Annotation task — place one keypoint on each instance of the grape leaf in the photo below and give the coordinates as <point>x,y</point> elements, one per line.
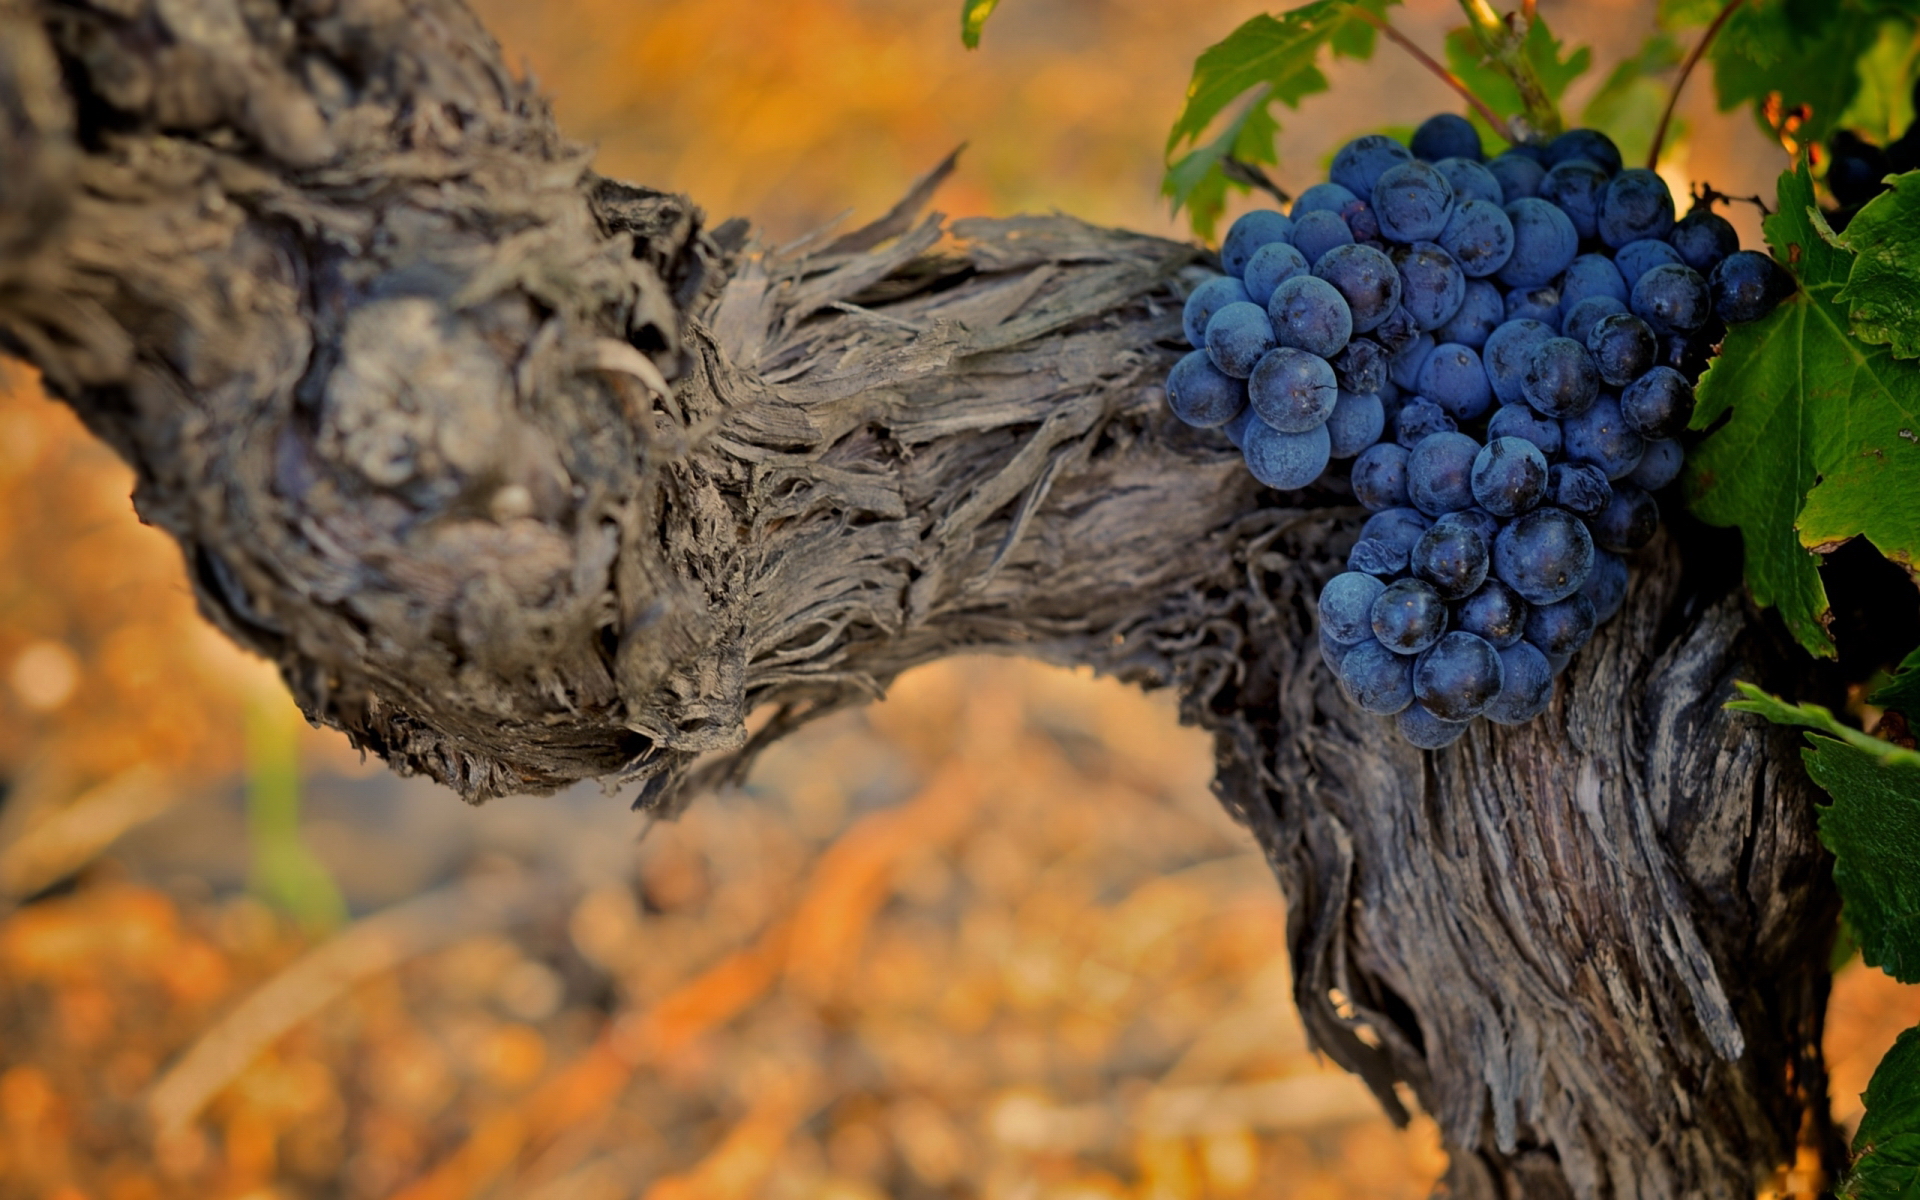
<point>973,18</point>
<point>1821,433</point>
<point>1467,59</point>
<point>1197,181</point>
<point>1628,105</point>
<point>1779,54</point>
<point>1883,288</point>
<point>1814,716</point>
<point>1902,692</point>
<point>1884,106</point>
<point>1886,1165</point>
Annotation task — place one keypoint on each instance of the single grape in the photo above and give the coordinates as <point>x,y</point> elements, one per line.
<point>1432,286</point>
<point>1623,348</point>
<point>1418,420</point>
<point>1747,285</point>
<point>1361,366</point>
<point>1479,236</point>
<point>1377,680</point>
<point>1520,421</point>
<point>1409,616</point>
<point>1606,585</point>
<point>1270,266</point>
<point>1580,488</point>
<point>1702,238</point>
<point>1454,378</point>
<point>1526,686</point>
<point>1346,607</point>
<point>1470,180</point>
<point>1544,555</point>
<point>1356,423</point>
<point>1309,314</point>
<point>1627,522</point>
<point>1589,144</point>
<point>1658,404</point>
<point>1248,234</point>
<point>1509,476</point>
<point>1236,429</point>
<point>1689,353</point>
<point>1317,232</point>
<point>1375,557</point>
<point>1659,466</point>
<point>1286,460</point>
<point>1507,354</point>
<point>1366,279</point>
<point>1479,520</point>
<point>1439,472</point>
<point>1452,557</point>
<point>1400,527</point>
<point>1540,304</point>
<point>1519,176</point>
<point>1403,368</point>
<point>1495,612</point>
<point>1591,275</point>
<point>1397,331</point>
<point>1206,300</point>
<point>1457,677</point>
<point>1637,205</point>
<point>1201,395</point>
<point>1380,476</point>
<point>1544,243</point>
<point>1672,299</point>
<point>1321,197</point>
<point>1412,202</point>
<point>1582,317</point>
<point>1333,653</point>
<point>1576,187</point>
<point>1424,731</point>
<point>1857,168</point>
<point>1361,223</point>
<point>1562,627</point>
<point>1601,436</point>
<point>1561,379</point>
<point>1447,135</point>
<point>1293,390</point>
<point>1358,165</point>
<point>1237,336</point>
<point>1637,258</point>
<point>1481,312</point>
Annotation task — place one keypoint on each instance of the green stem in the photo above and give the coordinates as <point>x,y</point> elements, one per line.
<point>1506,49</point>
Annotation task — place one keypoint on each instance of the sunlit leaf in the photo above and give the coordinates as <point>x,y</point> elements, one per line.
<point>1628,105</point>
<point>1882,295</point>
<point>1551,61</point>
<point>973,18</point>
<point>1887,1145</point>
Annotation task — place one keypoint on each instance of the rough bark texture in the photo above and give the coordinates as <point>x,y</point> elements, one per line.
<point>523,477</point>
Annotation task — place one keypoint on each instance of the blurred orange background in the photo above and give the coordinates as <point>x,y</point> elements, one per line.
<point>990,937</point>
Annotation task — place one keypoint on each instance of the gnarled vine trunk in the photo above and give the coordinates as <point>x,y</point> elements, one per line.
<point>523,476</point>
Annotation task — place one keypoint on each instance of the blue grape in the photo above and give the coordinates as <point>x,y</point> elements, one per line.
<point>1362,366</point>
<point>1588,144</point>
<point>1580,488</point>
<point>1408,616</point>
<point>1361,223</point>
<point>1600,436</point>
<point>1658,404</point>
<point>1590,275</point>
<point>1418,420</point>
<point>1270,266</point>
<point>1561,379</point>
<point>1457,677</point>
<point>1562,627</point>
<point>1293,390</point>
<point>1321,197</point>
<point>1623,348</point>
<point>1403,368</point>
<point>1432,286</point>
<point>1703,238</point>
<point>1637,258</point>
<point>1540,304</point>
<point>1236,429</point>
<point>1576,186</point>
<point>1358,165</point>
<point>1377,680</point>
<point>1495,612</point>
<point>1366,279</point>
<point>1452,557</point>
<point>1544,555</point>
<point>1346,607</point>
<point>1206,300</point>
<point>1518,175</point>
<point>1481,312</point>
<point>1356,423</point>
<point>1470,180</point>
<point>1479,236</point>
<point>1627,522</point>
<point>1399,527</point>
<point>1520,421</point>
<point>1509,476</point>
<point>1422,730</point>
<point>1637,205</point>
<point>1309,314</point>
<point>1412,202</point>
<point>1526,686</point>
<point>1508,352</point>
<point>1479,520</point>
<point>1237,336</point>
<point>1319,231</point>
<point>1659,466</point>
<point>1672,299</point>
<point>1544,243</point>
<point>1447,135</point>
<point>1201,395</point>
<point>1439,473</point>
<point>1376,557</point>
<point>1248,234</point>
<point>1606,585</point>
<point>1454,378</point>
<point>1747,285</point>
<point>1286,460</point>
<point>1333,653</point>
<point>1397,331</point>
<point>1380,477</point>
<point>1582,317</point>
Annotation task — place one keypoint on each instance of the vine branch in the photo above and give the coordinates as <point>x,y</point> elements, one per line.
<point>1680,81</point>
<point>1507,50</point>
<point>1499,123</point>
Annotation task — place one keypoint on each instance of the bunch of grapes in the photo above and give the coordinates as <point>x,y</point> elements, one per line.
<point>1498,356</point>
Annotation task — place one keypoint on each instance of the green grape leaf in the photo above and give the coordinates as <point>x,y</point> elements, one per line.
<point>1882,295</point>
<point>1628,105</point>
<point>1883,108</point>
<point>1814,716</point>
<point>1777,55</point>
<point>1902,692</point>
<point>1821,433</point>
<point>973,18</point>
<point>1467,59</point>
<point>1197,182</point>
<point>1886,1149</point>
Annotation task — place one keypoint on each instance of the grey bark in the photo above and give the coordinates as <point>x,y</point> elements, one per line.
<point>523,476</point>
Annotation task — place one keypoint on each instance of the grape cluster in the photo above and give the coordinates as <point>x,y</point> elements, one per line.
<point>1498,356</point>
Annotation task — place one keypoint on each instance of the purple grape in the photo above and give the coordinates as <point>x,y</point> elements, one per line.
<point>1439,472</point>
<point>1452,557</point>
<point>1293,390</point>
<point>1509,476</point>
<point>1356,422</point>
<point>1481,312</point>
<point>1359,164</point>
<point>1591,275</point>
<point>1576,186</point>
<point>1589,144</point>
<point>1585,315</point>
<point>1544,555</point>
<point>1519,421</point>
<point>1206,300</point>
<point>1271,265</point>
<point>1412,202</point>
<point>1606,585</point>
<point>1518,175</point>
<point>1346,607</point>
<point>1623,348</point>
<point>1507,354</point>
<point>1424,731</point>
<point>1361,366</point>
<point>1367,281</point>
<point>1526,686</point>
<point>1238,336</point>
<point>1601,436</point>
<point>1658,404</point>
<point>1562,627</point>
<point>1637,205</point>
<point>1637,258</point>
<point>1703,238</point>
<point>1309,314</point>
<point>1544,243</point>
<point>1447,135</point>
<point>1457,677</point>
<point>1201,395</point>
<point>1580,488</point>
<point>1418,420</point>
<point>1321,197</point>
<point>1432,286</point>
<point>1377,680</point>
<point>1409,616</point>
<point>1659,466</point>
<point>1380,477</point>
<point>1627,522</point>
<point>1319,231</point>
<point>1494,612</point>
<point>1453,378</point>
<point>1561,379</point>
<point>1471,180</point>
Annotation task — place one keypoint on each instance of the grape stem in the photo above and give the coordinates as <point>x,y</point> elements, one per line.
<point>1426,60</point>
<point>1680,81</point>
<point>1506,47</point>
